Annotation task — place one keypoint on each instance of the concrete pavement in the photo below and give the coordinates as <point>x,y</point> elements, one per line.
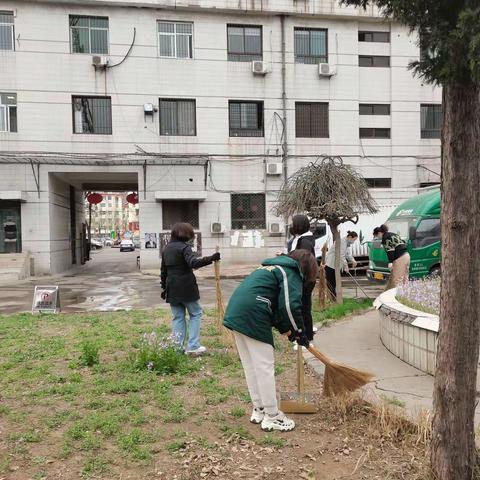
<point>356,342</point>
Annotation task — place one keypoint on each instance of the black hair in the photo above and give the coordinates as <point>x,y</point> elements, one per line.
<point>382,229</point>
<point>300,225</point>
<point>182,232</point>
<point>376,231</point>
<point>308,264</point>
<point>352,234</point>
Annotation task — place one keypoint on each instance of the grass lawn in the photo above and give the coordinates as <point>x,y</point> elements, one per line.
<point>74,405</point>
<point>336,311</point>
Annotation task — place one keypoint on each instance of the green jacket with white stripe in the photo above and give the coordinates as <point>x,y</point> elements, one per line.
<point>269,297</point>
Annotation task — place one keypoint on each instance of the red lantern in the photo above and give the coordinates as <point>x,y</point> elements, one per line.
<point>94,198</point>
<point>132,198</point>
<point>254,208</point>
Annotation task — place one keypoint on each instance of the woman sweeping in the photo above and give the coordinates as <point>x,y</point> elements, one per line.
<point>303,239</point>
<point>180,287</point>
<point>269,297</point>
<point>397,253</point>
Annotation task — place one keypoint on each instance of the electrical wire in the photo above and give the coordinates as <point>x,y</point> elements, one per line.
<point>128,52</point>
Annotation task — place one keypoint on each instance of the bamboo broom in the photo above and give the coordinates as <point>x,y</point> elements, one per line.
<point>338,378</point>
<point>226,335</point>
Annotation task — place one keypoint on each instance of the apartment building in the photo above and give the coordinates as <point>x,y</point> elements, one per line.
<point>202,107</point>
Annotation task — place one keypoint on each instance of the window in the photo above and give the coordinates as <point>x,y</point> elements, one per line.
<point>175,39</point>
<point>374,133</point>
<point>374,109</point>
<point>174,211</point>
<point>428,233</point>
<point>7,36</point>
<point>431,120</point>
<point>373,61</point>
<point>429,184</point>
<point>246,118</point>
<point>311,45</point>
<point>379,182</point>
<point>177,117</point>
<point>244,43</point>
<point>248,211</point>
<point>92,115</point>
<point>8,112</point>
<point>381,37</point>
<point>89,34</point>
<point>311,120</point>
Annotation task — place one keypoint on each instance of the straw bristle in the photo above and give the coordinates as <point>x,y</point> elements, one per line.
<point>340,379</point>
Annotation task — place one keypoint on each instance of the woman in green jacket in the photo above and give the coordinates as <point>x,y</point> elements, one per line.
<point>269,297</point>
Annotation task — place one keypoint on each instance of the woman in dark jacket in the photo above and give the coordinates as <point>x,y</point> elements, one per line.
<point>180,287</point>
<point>303,240</point>
<point>270,297</point>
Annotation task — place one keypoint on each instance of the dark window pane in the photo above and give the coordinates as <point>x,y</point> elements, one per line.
<point>310,45</point>
<point>373,61</point>
<point>431,120</point>
<point>77,21</point>
<point>428,233</point>
<point>379,182</point>
<point>244,43</point>
<point>174,211</point>
<point>99,41</point>
<point>311,120</point>
<point>246,119</point>
<point>80,40</point>
<point>374,109</point>
<point>382,37</point>
<point>248,211</point>
<point>6,31</point>
<point>374,133</point>
<point>177,117</point>
<point>13,118</point>
<point>92,115</point>
<point>89,34</point>
<point>99,22</point>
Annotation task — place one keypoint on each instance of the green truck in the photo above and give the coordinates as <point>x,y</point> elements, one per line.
<point>417,221</point>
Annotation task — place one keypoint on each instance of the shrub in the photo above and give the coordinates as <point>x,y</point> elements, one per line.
<point>89,354</point>
<point>422,295</point>
<point>160,354</point>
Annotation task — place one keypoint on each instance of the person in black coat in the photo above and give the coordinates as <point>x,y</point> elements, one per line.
<point>303,240</point>
<point>179,285</point>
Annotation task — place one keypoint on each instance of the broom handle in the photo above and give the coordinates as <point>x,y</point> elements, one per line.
<point>300,373</point>
<point>216,266</point>
<point>323,358</point>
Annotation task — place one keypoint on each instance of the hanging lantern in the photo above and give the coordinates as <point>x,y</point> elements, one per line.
<point>94,198</point>
<point>254,208</point>
<point>132,198</point>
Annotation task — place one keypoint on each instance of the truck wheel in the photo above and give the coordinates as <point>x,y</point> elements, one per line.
<point>435,271</point>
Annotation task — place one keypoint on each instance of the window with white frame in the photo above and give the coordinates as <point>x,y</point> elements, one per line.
<point>8,112</point>
<point>89,34</point>
<point>177,117</point>
<point>92,115</point>
<point>7,37</point>
<point>244,43</point>
<point>175,39</point>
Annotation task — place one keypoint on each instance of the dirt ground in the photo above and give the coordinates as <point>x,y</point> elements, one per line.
<point>62,420</point>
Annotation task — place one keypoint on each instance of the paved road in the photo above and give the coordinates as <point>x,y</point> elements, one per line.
<point>112,281</point>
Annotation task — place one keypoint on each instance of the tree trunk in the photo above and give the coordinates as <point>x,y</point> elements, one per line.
<point>453,453</point>
<point>338,275</point>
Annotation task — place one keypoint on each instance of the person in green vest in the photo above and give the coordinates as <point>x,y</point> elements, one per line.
<point>270,297</point>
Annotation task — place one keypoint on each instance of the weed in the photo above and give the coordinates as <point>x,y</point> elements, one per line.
<point>393,401</point>
<point>39,476</point>
<point>4,410</point>
<point>89,355</point>
<point>335,311</point>
<point>176,446</point>
<point>237,432</point>
<point>237,412</point>
<point>175,411</point>
<point>270,440</point>
<point>94,466</point>
<point>225,361</point>
<point>132,444</point>
<point>57,419</point>
<point>90,442</point>
<point>213,391</point>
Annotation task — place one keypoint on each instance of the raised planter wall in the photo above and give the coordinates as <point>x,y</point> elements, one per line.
<point>409,334</point>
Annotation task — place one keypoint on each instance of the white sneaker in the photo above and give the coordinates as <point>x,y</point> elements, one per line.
<point>258,414</point>
<point>197,352</point>
<point>278,422</point>
<point>314,329</point>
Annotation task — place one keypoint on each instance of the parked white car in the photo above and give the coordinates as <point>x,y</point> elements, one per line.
<point>127,246</point>
<point>95,244</point>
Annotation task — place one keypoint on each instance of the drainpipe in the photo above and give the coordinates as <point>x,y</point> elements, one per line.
<point>284,100</point>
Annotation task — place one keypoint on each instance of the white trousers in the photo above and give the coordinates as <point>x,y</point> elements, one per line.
<point>259,366</point>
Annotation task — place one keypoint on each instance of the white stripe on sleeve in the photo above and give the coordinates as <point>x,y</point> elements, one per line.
<point>287,298</point>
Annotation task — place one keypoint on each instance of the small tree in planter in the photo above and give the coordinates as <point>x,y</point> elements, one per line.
<point>327,190</point>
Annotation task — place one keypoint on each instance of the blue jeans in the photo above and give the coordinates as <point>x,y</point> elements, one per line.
<point>179,323</point>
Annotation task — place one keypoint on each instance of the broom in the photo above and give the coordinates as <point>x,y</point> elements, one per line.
<point>226,335</point>
<point>338,378</point>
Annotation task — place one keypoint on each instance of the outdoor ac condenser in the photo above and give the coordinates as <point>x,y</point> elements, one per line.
<point>326,70</point>
<point>274,168</point>
<point>259,67</point>
<point>217,227</point>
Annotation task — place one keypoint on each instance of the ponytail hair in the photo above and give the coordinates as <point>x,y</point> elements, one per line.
<point>383,228</point>
<point>352,234</point>
<point>308,264</point>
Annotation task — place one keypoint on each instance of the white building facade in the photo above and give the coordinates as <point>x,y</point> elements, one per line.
<point>203,107</point>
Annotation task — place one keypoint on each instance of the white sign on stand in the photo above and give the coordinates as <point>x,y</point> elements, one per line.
<point>46,299</point>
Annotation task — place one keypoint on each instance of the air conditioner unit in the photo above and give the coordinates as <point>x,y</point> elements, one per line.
<point>98,61</point>
<point>275,228</point>
<point>217,227</point>
<point>274,168</point>
<point>259,67</point>
<point>326,70</point>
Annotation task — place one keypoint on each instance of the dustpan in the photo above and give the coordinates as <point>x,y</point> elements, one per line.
<point>299,401</point>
